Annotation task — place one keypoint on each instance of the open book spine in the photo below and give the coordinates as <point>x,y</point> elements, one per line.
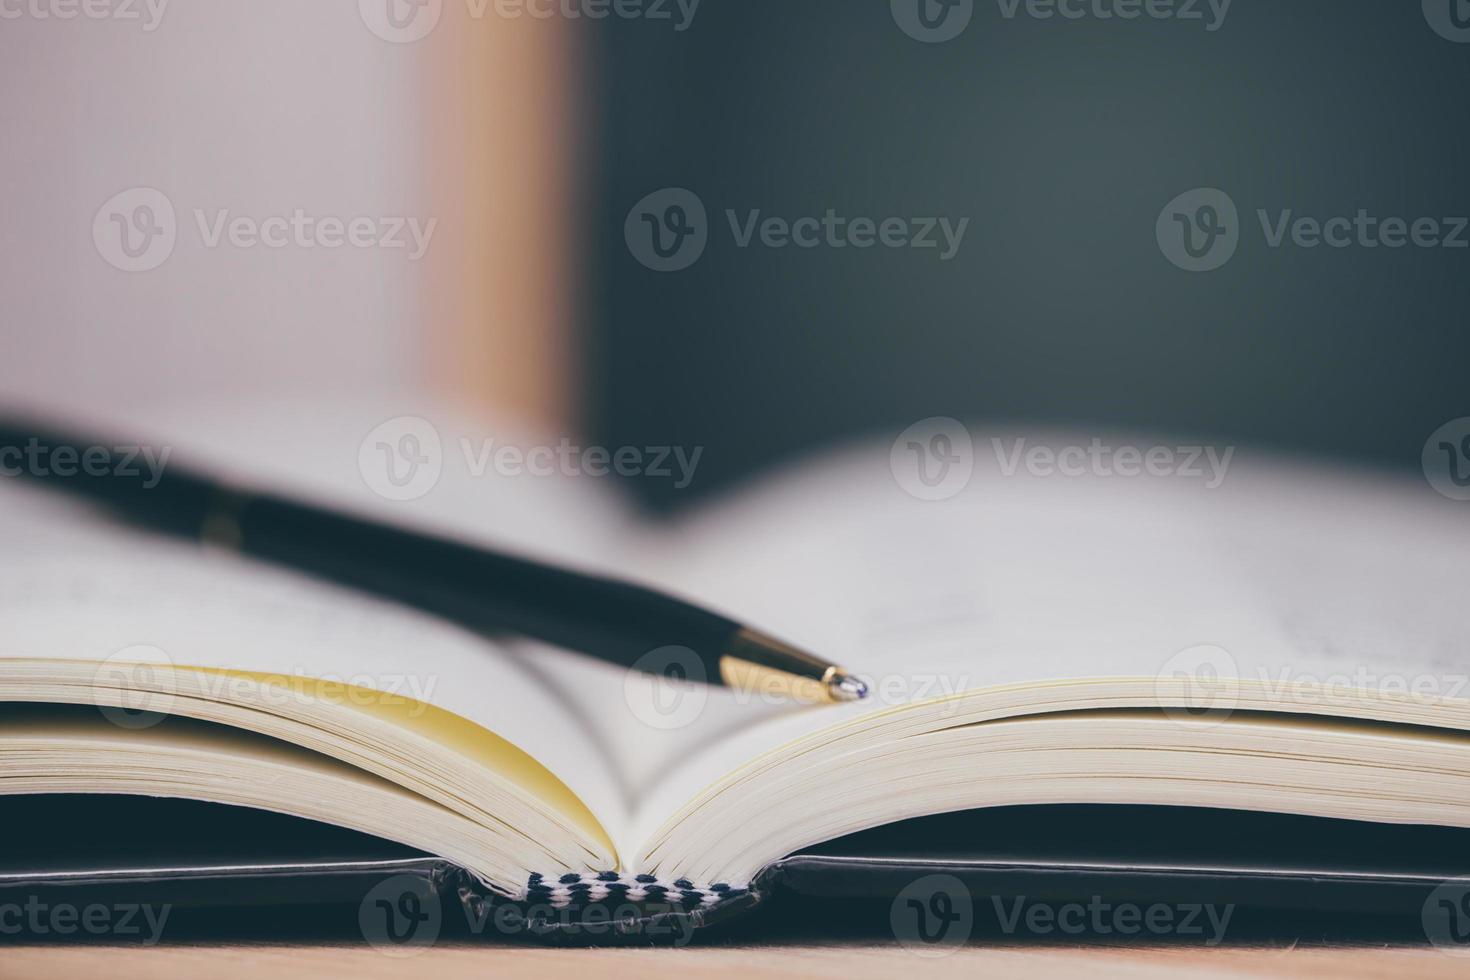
<point>624,904</point>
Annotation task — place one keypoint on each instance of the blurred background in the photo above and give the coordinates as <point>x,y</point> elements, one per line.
<point>591,185</point>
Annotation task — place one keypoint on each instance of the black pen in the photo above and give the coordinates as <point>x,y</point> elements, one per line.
<point>482,590</point>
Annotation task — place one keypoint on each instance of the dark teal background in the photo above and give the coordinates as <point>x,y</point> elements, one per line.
<point>1061,141</point>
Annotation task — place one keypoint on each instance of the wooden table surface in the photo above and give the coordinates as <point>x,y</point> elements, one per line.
<point>839,962</point>
<point>854,941</point>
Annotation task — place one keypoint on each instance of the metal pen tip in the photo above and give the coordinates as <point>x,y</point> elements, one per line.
<point>846,687</point>
<point>753,661</point>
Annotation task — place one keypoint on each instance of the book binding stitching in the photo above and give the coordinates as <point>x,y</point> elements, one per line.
<point>577,889</point>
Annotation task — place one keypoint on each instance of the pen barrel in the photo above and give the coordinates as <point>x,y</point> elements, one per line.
<point>488,592</point>
<point>159,497</point>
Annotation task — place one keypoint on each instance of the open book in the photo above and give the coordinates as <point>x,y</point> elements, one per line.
<point>1292,640</point>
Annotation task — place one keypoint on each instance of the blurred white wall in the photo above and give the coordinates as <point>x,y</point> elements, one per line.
<point>258,107</point>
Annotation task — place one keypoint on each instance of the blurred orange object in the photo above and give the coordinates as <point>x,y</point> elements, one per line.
<point>500,130</point>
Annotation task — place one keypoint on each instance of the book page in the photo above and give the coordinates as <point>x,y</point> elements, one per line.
<point>75,585</point>
<point>1272,570</point>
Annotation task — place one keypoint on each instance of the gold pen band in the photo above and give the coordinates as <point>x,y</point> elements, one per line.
<point>760,664</point>
<point>221,526</point>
